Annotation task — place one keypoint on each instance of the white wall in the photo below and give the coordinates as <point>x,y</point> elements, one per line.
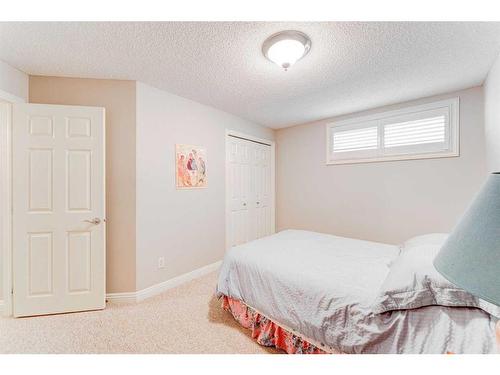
<point>13,84</point>
<point>492,117</point>
<point>384,201</point>
<point>187,227</point>
<point>13,88</point>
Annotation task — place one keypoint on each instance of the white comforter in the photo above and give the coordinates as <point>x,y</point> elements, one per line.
<point>322,288</point>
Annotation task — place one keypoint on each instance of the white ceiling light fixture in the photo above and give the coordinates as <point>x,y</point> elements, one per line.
<point>286,47</point>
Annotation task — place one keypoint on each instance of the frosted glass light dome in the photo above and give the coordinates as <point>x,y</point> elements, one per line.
<point>286,47</point>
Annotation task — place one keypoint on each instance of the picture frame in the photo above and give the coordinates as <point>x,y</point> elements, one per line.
<point>190,167</point>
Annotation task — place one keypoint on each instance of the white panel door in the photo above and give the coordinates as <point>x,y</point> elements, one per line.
<point>250,214</point>
<point>58,209</point>
<point>238,175</point>
<point>261,181</point>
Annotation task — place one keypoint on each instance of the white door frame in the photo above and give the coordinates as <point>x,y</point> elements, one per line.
<point>268,142</point>
<point>6,101</point>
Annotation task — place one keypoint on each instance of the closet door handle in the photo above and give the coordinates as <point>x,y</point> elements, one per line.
<point>95,221</point>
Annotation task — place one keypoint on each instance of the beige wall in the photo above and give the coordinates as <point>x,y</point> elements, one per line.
<point>385,201</point>
<point>492,117</point>
<point>118,97</point>
<point>187,227</point>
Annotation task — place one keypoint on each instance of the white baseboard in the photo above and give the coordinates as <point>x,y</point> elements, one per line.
<point>156,289</point>
<point>122,297</point>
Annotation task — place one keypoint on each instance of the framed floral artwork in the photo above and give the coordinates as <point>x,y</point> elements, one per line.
<point>191,166</point>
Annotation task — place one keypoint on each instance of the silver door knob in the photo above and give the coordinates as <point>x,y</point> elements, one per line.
<point>95,221</point>
<point>258,202</point>
<point>244,204</point>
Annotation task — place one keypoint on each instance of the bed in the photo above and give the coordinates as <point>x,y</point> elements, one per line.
<point>310,292</point>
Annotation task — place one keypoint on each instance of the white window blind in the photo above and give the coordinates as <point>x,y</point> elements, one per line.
<point>355,140</point>
<point>426,131</point>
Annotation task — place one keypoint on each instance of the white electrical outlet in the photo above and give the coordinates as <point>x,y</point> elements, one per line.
<point>161,262</point>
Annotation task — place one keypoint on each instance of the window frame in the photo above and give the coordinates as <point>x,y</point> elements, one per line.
<point>452,131</point>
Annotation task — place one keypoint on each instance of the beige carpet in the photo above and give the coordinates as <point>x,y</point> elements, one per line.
<point>186,319</point>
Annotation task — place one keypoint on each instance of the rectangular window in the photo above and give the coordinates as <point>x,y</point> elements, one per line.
<point>425,131</point>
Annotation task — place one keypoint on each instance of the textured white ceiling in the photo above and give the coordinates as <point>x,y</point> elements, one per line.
<point>351,66</point>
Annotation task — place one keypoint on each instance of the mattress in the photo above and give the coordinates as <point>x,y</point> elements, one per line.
<point>322,287</point>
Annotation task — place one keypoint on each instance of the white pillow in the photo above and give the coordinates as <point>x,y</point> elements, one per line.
<point>433,239</point>
<point>413,282</point>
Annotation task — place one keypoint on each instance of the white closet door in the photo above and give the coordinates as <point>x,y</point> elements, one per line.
<point>59,207</point>
<point>250,214</point>
<point>261,203</point>
<point>238,175</point>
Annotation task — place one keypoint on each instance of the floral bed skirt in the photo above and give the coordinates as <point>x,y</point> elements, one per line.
<point>265,331</point>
